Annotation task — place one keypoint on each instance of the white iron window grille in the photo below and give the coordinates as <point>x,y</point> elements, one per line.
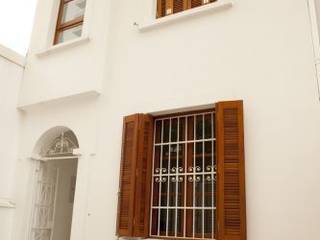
<point>184,177</point>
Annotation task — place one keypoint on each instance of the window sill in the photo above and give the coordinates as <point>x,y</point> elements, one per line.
<point>219,5</point>
<point>63,46</point>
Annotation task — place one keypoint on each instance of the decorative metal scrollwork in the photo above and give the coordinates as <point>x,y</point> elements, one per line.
<point>211,168</point>
<point>210,178</point>
<point>194,179</point>
<point>62,145</point>
<point>163,170</point>
<point>197,179</point>
<point>158,180</point>
<point>177,179</point>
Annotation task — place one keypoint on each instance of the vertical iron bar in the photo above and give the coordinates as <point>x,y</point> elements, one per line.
<point>160,178</point>
<point>213,171</point>
<point>203,176</point>
<point>168,179</point>
<point>194,176</point>
<point>185,177</point>
<point>177,177</point>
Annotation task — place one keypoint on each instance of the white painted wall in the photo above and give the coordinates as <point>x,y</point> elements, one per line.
<point>258,51</point>
<point>10,77</point>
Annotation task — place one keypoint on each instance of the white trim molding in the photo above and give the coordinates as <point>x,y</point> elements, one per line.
<point>63,46</point>
<point>12,56</point>
<point>7,203</point>
<point>212,7</point>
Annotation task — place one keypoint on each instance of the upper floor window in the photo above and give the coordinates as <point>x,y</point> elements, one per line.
<point>168,7</point>
<point>70,20</point>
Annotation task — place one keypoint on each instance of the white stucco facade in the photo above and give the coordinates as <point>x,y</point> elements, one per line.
<point>125,62</point>
<point>11,71</point>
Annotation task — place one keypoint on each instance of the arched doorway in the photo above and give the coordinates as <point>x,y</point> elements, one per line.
<point>55,185</point>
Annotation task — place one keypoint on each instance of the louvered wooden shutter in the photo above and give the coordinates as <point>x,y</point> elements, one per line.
<point>196,3</point>
<point>135,174</point>
<point>231,208</point>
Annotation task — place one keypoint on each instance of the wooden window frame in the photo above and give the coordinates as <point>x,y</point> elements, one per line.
<point>61,27</point>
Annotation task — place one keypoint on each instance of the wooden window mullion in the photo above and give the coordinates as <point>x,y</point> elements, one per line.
<point>73,23</point>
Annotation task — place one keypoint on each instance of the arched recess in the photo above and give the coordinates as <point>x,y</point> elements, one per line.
<point>55,185</point>
<point>56,141</point>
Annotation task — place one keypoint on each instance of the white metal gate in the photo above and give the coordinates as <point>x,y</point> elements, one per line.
<point>44,202</point>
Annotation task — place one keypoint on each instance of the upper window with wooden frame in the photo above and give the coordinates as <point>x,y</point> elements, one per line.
<point>182,175</point>
<point>168,7</point>
<point>70,20</point>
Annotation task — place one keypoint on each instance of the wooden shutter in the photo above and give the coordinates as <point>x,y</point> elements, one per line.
<point>196,3</point>
<point>231,209</point>
<point>135,176</point>
<point>161,8</point>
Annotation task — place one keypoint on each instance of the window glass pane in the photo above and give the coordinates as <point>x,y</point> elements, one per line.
<point>208,223</point>
<point>157,159</point>
<point>180,223</point>
<point>173,158</point>
<point>70,34</point>
<point>208,181</point>
<point>208,157</point>
<point>164,188</point>
<point>181,159</point>
<point>163,221</point>
<point>182,129</point>
<point>171,222</point>
<point>73,10</point>
<point>198,188</point>
<point>166,130</point>
<point>158,131</point>
<point>208,126</point>
<point>189,223</point>
<point>165,159</point>
<point>172,191</point>
<point>154,225</point>
<point>198,223</point>
<point>156,185</point>
<point>190,128</point>
<point>199,127</point>
<point>174,130</point>
<point>180,191</point>
<point>199,157</point>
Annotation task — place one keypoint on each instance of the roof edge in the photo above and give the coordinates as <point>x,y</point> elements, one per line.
<point>12,56</point>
